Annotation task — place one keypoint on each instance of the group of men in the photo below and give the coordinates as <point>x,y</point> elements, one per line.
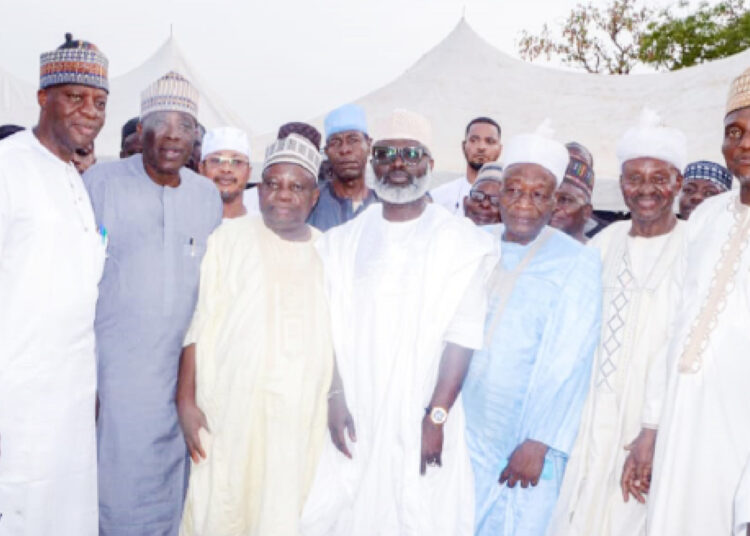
<point>349,352</point>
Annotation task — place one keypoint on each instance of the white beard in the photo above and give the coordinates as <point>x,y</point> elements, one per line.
<point>398,195</point>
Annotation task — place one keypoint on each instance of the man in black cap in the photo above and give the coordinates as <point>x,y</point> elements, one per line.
<point>131,141</point>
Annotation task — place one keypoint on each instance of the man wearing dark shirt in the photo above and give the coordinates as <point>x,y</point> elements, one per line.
<point>347,146</point>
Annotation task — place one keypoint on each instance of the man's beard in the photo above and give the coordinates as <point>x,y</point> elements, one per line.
<point>398,195</point>
<point>228,197</point>
<point>476,166</point>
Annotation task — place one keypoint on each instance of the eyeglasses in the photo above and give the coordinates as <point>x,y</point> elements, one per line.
<point>411,156</point>
<point>234,163</point>
<point>479,196</point>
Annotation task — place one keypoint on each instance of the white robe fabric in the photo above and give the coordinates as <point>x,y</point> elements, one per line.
<point>704,436</point>
<point>451,195</point>
<point>264,360</point>
<point>742,504</point>
<point>51,258</point>
<point>638,300</point>
<point>398,292</point>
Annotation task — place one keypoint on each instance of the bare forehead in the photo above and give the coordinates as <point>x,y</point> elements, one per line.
<point>227,153</point>
<point>400,142</point>
<point>647,165</point>
<point>528,173</point>
<point>285,171</point>
<point>483,130</point>
<point>740,117</point>
<point>77,88</point>
<point>172,116</point>
<point>347,134</point>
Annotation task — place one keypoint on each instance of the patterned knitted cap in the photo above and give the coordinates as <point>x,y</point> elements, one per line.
<point>170,93</point>
<point>708,171</point>
<point>294,149</point>
<point>74,62</point>
<point>739,92</point>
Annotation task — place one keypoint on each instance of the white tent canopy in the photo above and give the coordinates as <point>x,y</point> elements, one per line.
<point>461,78</point>
<point>464,77</point>
<point>17,101</point>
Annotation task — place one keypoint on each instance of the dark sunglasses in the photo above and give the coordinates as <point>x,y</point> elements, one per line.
<point>384,154</point>
<point>479,196</point>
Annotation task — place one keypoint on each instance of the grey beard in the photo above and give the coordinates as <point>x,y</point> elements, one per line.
<point>398,195</point>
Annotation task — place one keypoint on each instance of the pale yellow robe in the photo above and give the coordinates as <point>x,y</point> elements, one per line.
<point>638,298</point>
<point>264,361</point>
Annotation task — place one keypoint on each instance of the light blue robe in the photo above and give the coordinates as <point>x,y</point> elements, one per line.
<point>532,380</point>
<point>156,239</point>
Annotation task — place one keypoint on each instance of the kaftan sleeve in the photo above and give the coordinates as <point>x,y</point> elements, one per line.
<point>209,288</point>
<point>96,187</point>
<point>467,325</point>
<point>565,356</point>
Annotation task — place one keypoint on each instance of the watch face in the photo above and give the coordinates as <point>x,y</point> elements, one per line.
<point>438,415</point>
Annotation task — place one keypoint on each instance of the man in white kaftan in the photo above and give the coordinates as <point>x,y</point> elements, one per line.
<point>638,259</point>
<point>404,295</point>
<point>51,258</point>
<point>263,363</point>
<point>704,438</point>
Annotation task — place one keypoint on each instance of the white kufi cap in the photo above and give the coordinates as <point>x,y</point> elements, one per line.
<point>294,149</point>
<point>650,138</point>
<point>538,148</point>
<point>225,139</point>
<point>402,124</point>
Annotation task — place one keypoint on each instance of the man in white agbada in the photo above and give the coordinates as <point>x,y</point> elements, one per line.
<point>51,259</point>
<point>225,160</point>
<point>406,286</point>
<point>258,361</point>
<point>704,437</point>
<point>481,145</point>
<point>638,257</point>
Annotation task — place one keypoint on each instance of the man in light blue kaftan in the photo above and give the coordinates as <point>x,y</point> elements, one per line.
<point>525,389</point>
<point>157,216</point>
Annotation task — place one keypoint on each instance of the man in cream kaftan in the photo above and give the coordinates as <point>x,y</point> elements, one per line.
<point>258,360</point>
<point>627,381</point>
<point>264,360</point>
<point>638,298</point>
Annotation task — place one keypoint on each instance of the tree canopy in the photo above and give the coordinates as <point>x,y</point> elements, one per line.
<point>617,37</point>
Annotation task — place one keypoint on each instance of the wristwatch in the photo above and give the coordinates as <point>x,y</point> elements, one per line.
<point>437,414</point>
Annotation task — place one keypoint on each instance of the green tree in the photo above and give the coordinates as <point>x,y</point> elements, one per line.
<point>673,42</point>
<point>615,38</point>
<point>599,40</point>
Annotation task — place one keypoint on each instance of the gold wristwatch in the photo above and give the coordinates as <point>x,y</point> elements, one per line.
<point>437,414</point>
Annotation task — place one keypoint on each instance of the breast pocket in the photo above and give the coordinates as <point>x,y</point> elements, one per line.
<point>192,254</point>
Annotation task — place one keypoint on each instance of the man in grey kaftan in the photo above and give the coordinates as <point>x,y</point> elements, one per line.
<point>156,235</point>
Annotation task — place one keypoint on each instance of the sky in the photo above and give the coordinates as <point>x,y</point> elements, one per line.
<point>293,59</point>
